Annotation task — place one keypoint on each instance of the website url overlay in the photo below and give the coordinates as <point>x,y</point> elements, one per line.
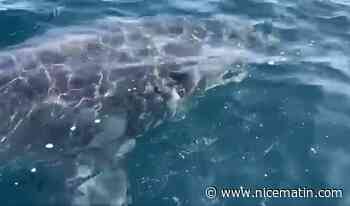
<point>213,192</point>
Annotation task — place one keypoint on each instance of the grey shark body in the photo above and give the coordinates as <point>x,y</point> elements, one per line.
<point>82,94</point>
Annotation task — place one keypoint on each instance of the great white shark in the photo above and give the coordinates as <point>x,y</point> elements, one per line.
<point>81,95</point>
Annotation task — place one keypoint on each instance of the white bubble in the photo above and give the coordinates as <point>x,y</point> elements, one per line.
<point>313,150</point>
<point>49,146</point>
<point>73,128</point>
<point>176,200</point>
<point>33,170</point>
<point>283,59</point>
<point>97,121</point>
<point>3,139</point>
<point>271,62</point>
<point>181,155</point>
<point>312,42</point>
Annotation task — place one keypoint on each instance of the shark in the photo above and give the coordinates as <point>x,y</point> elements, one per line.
<point>81,95</point>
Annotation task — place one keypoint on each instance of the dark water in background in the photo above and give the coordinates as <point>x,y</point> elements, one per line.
<point>286,125</point>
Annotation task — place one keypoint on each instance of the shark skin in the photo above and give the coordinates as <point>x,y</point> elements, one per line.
<point>81,95</point>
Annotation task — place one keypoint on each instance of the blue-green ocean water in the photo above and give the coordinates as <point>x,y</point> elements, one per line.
<point>287,125</point>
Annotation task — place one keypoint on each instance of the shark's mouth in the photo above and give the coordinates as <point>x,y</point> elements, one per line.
<point>81,95</point>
